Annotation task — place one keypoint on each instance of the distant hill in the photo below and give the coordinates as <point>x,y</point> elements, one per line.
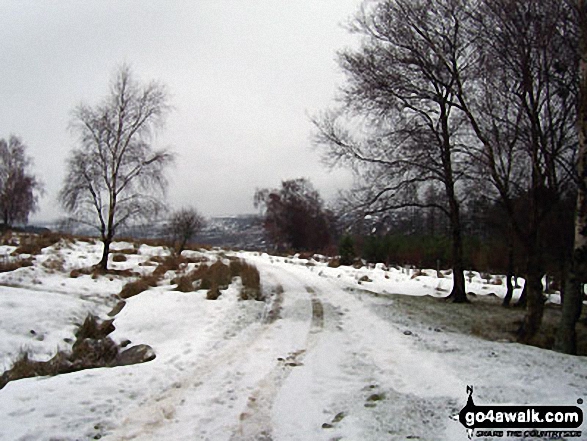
<point>238,232</point>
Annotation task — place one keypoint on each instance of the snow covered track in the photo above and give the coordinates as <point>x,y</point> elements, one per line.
<point>229,387</point>
<point>340,375</point>
<point>330,355</point>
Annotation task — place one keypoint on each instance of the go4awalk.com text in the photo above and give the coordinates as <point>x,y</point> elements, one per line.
<point>526,421</point>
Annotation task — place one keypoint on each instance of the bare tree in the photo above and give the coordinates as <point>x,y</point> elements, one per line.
<point>566,338</point>
<point>19,188</point>
<point>521,109</point>
<point>115,177</point>
<point>295,216</point>
<point>182,226</point>
<point>400,95</point>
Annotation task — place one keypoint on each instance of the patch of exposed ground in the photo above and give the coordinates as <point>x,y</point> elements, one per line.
<point>483,317</point>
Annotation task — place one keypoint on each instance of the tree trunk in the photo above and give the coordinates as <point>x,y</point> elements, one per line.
<point>563,278</point>
<point>510,275</point>
<point>533,286</point>
<point>458,293</point>
<point>523,300</point>
<point>105,252</point>
<point>535,302</point>
<point>108,230</point>
<point>566,336</point>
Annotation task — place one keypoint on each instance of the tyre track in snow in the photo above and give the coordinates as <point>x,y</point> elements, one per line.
<point>255,423</point>
<point>313,358</point>
<point>358,366</point>
<point>201,375</point>
<point>227,393</point>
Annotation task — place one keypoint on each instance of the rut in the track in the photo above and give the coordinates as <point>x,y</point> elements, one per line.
<point>255,420</point>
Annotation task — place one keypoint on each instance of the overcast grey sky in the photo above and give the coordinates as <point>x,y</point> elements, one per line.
<point>243,76</point>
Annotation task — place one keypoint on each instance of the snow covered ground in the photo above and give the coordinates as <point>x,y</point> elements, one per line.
<point>324,358</point>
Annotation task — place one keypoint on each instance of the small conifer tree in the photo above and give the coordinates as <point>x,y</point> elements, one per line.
<point>346,249</point>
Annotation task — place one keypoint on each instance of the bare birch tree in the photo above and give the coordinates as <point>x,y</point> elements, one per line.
<point>19,188</point>
<point>566,338</point>
<point>115,177</point>
<point>182,226</point>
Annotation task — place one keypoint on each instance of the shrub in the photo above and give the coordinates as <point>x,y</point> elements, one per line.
<point>182,226</point>
<point>119,258</point>
<point>196,274</point>
<point>23,367</point>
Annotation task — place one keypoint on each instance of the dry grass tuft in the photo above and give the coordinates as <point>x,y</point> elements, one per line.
<point>8,264</point>
<point>91,349</point>
<point>76,272</point>
<point>497,281</point>
<point>250,277</point>
<point>184,284</point>
<point>33,244</point>
<point>213,293</point>
<point>217,275</point>
<point>9,238</point>
<point>334,263</point>
<point>138,286</point>
<point>95,271</point>
<point>127,251</point>
<point>54,264</point>
<point>167,263</point>
<point>157,259</point>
